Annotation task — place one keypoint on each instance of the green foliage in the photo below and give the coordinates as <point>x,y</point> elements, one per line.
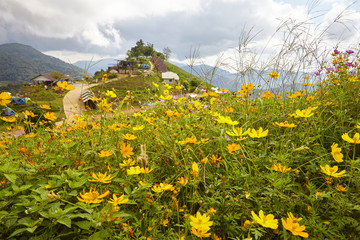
<point>20,63</point>
<point>226,155</point>
<point>140,49</point>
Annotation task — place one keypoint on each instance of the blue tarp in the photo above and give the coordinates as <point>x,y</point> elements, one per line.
<point>7,112</point>
<point>17,100</point>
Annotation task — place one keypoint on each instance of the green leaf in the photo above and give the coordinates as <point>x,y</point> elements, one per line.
<point>65,220</point>
<point>11,177</point>
<point>17,232</point>
<point>31,230</point>
<point>78,183</point>
<point>84,224</point>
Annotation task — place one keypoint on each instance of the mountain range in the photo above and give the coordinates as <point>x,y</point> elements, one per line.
<point>19,63</point>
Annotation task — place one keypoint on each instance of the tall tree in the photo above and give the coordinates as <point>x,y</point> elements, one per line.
<point>167,53</point>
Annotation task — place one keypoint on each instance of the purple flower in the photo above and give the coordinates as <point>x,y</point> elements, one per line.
<point>227,138</point>
<point>336,51</point>
<point>330,69</point>
<point>350,64</point>
<point>202,90</point>
<point>318,72</point>
<point>349,51</point>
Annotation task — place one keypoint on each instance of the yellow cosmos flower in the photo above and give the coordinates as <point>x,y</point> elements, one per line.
<point>127,163</point>
<point>44,106</point>
<point>286,124</point>
<point>155,85</point>
<point>92,196</point>
<point>118,200</point>
<point>274,75</point>
<point>336,153</point>
<point>341,188</point>
<point>8,119</point>
<point>29,113</point>
<point>129,136</point>
<point>355,139</point>
<point>65,85</point>
<point>267,221</point>
<point>110,94</point>
<point>156,188</point>
<point>134,170</point>
<point>126,150</point>
<point>166,187</point>
<point>258,133</point>
<point>247,87</point>
<point>50,116</point>
<point>4,99</point>
<point>30,135</point>
<point>102,178</point>
<point>304,113</point>
<point>227,120</point>
<point>191,139</point>
<point>104,153</point>
<point>195,169</point>
<point>200,233</point>
<point>233,147</point>
<point>332,171</point>
<point>138,128</point>
<point>182,181</point>
<point>279,168</point>
<point>294,227</point>
<point>267,95</point>
<point>201,222</point>
<point>238,132</point>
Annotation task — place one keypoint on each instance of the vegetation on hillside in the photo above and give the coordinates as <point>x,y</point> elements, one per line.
<point>19,63</point>
<point>142,49</point>
<point>225,166</point>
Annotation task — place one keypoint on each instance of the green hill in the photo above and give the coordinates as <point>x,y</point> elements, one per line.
<point>19,63</point>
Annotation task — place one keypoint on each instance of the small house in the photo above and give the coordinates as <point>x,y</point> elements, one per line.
<point>170,77</point>
<point>45,79</point>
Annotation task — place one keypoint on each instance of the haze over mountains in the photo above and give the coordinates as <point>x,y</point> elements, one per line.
<point>19,63</point>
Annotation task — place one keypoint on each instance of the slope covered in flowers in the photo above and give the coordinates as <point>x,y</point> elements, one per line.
<point>222,166</point>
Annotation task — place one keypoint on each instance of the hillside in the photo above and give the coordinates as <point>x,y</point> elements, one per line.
<point>19,63</point>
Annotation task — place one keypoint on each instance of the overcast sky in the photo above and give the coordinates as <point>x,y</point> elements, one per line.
<point>75,30</point>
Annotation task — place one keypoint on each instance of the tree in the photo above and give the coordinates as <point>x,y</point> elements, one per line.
<point>167,53</point>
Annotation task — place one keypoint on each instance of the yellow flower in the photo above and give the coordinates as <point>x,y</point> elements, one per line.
<point>44,106</point>
<point>126,150</point>
<point>286,124</point>
<point>238,132</point>
<point>104,153</point>
<point>304,113</point>
<point>129,136</point>
<point>182,181</point>
<point>340,188</point>
<point>200,233</point>
<point>118,200</point>
<point>294,227</point>
<point>267,221</point>
<point>50,116</point>
<point>156,188</point>
<point>8,119</point>
<point>155,85</point>
<point>127,163</point>
<point>166,187</point>
<point>279,168</point>
<point>110,94</point>
<point>258,133</point>
<point>267,95</point>
<point>195,169</point>
<point>229,109</point>
<point>4,99</point>
<point>29,113</point>
<point>227,120</point>
<point>201,222</point>
<point>134,170</point>
<point>30,135</point>
<point>102,178</point>
<point>355,139</point>
<point>146,170</point>
<point>190,140</point>
<point>336,153</point>
<point>332,171</point>
<point>233,147</point>
<point>247,87</point>
<point>138,128</point>
<point>92,196</point>
<point>274,75</point>
<point>358,125</point>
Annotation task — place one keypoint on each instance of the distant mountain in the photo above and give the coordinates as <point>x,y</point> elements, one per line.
<point>19,63</point>
<point>93,66</point>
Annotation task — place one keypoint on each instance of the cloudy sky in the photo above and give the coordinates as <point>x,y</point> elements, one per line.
<point>75,30</point>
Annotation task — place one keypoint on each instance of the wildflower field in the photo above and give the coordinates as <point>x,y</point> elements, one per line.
<point>222,166</point>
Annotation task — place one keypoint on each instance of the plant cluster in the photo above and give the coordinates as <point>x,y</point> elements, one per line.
<point>221,166</point>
